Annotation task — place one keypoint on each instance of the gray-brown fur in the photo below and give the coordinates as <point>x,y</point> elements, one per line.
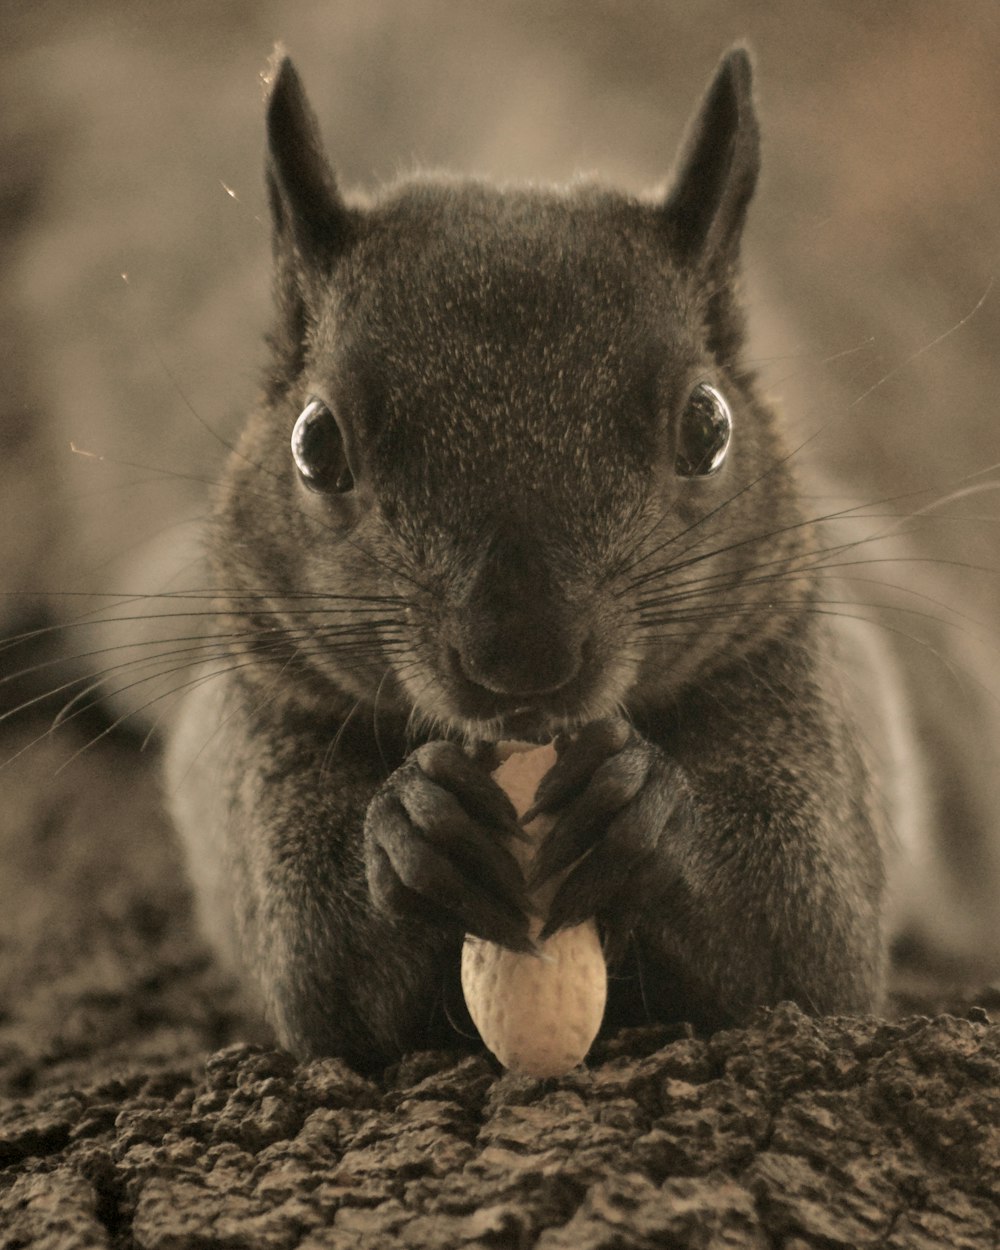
<point>519,558</point>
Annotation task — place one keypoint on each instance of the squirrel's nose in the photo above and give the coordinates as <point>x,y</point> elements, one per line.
<point>514,633</point>
<point>517,666</point>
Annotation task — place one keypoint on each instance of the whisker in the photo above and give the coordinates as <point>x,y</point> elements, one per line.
<point>88,619</point>
<point>125,716</point>
<point>946,334</point>
<point>150,345</point>
<point>331,750</point>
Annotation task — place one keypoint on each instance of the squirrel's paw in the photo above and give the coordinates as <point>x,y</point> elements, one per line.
<point>436,847</point>
<point>613,796</point>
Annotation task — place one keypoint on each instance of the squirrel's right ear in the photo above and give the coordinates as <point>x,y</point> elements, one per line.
<point>707,205</point>
<point>306,208</point>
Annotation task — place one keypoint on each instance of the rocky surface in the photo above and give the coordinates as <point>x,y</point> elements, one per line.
<point>790,1133</point>
<point>133,1118</point>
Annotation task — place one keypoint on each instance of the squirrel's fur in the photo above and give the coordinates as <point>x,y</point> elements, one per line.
<point>518,556</point>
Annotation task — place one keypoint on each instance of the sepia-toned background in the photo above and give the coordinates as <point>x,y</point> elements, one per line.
<point>132,146</point>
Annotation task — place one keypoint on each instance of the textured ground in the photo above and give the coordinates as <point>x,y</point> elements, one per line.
<point>792,1134</point>
<point>130,1118</point>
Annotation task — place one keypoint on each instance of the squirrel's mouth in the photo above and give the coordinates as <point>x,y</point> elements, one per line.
<point>531,715</point>
<point>533,702</point>
<point>529,724</point>
<point>480,715</point>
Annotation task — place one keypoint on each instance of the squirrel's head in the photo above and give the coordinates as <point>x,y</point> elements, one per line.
<point>503,427</point>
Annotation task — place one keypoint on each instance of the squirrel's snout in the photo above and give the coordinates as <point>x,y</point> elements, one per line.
<point>516,667</point>
<point>512,633</point>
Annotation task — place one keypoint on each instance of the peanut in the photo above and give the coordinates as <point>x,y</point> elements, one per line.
<point>538,1013</point>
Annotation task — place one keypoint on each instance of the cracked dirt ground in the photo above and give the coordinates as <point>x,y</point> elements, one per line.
<point>131,1119</point>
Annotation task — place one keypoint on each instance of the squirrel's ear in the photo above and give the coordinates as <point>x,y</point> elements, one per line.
<point>707,204</point>
<point>306,208</point>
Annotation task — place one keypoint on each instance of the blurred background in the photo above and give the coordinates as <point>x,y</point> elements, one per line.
<point>134,259</point>
<point>135,245</point>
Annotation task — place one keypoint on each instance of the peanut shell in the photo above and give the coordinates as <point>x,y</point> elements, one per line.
<point>538,1013</point>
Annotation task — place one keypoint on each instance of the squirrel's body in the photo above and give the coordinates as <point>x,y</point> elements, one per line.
<point>533,493</point>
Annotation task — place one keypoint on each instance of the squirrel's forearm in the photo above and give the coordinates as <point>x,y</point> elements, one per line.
<point>763,905</point>
<point>774,877</point>
<point>272,825</point>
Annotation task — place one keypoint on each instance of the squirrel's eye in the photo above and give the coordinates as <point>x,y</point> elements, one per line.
<point>319,452</point>
<point>704,433</point>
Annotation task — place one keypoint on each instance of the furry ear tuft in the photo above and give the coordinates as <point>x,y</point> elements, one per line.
<point>306,207</point>
<point>707,205</point>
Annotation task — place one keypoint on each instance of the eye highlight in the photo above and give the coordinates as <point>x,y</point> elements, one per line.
<point>704,433</point>
<point>319,452</point>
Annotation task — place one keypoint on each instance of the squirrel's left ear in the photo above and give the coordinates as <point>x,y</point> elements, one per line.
<point>306,207</point>
<point>707,203</point>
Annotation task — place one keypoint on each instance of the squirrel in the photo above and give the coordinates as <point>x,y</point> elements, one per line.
<point>511,477</point>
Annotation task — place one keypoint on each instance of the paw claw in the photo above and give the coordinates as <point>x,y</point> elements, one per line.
<point>437,838</point>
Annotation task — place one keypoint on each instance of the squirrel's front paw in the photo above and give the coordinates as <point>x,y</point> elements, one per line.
<point>436,847</point>
<point>614,796</point>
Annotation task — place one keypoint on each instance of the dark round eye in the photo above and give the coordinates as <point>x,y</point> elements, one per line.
<point>319,452</point>
<point>704,433</point>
